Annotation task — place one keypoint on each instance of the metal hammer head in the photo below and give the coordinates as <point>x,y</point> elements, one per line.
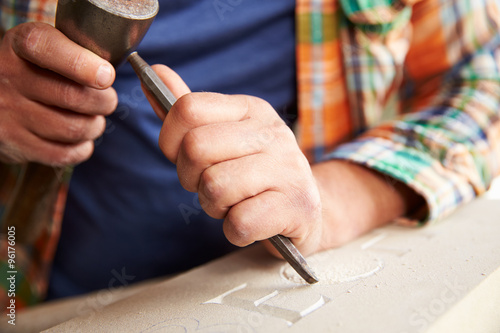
<point>110,28</point>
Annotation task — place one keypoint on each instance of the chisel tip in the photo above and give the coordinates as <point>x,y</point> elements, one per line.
<point>290,253</point>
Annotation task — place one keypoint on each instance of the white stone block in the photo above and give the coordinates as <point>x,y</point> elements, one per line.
<point>439,278</point>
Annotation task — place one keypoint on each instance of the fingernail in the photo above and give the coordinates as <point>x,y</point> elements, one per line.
<point>104,75</point>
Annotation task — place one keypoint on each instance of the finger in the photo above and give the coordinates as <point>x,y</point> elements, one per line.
<point>261,217</point>
<point>207,145</point>
<point>225,184</point>
<point>48,48</point>
<point>200,109</point>
<point>173,81</point>
<point>52,89</point>
<point>62,126</point>
<point>29,147</point>
<point>256,225</point>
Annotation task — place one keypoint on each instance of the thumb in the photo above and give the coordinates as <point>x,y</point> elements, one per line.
<point>173,82</point>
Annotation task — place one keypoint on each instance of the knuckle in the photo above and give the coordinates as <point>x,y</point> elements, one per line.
<point>308,199</point>
<point>187,111</point>
<point>265,138</point>
<point>110,101</point>
<point>213,184</point>
<point>76,130</point>
<point>71,96</point>
<point>31,39</point>
<point>87,100</point>
<point>98,128</point>
<point>185,182</point>
<point>283,132</point>
<point>186,177</point>
<point>276,134</point>
<point>193,146</point>
<point>73,155</point>
<point>165,145</point>
<point>77,63</point>
<point>264,107</point>
<point>211,208</point>
<point>237,228</point>
<point>297,160</point>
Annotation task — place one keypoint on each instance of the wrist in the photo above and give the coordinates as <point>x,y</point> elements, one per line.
<point>357,199</point>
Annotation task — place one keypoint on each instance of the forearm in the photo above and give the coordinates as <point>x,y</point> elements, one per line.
<point>356,200</point>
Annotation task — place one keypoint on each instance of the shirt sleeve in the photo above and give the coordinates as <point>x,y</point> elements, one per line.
<point>446,142</point>
<point>30,230</point>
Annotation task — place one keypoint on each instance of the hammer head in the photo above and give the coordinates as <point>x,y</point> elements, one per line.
<point>110,28</point>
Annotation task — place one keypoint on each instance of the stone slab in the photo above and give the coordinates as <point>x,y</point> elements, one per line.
<point>439,278</point>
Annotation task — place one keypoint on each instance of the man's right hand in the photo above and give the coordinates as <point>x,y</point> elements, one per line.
<point>54,95</point>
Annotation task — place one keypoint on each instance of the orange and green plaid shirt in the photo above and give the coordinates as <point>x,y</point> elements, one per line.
<point>410,88</point>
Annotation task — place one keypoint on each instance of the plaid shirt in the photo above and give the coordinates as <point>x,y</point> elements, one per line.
<point>410,88</point>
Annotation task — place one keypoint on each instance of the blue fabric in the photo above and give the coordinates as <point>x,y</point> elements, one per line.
<point>127,215</point>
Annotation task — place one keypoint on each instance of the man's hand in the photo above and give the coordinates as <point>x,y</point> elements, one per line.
<point>244,163</point>
<point>247,168</point>
<point>54,95</point>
